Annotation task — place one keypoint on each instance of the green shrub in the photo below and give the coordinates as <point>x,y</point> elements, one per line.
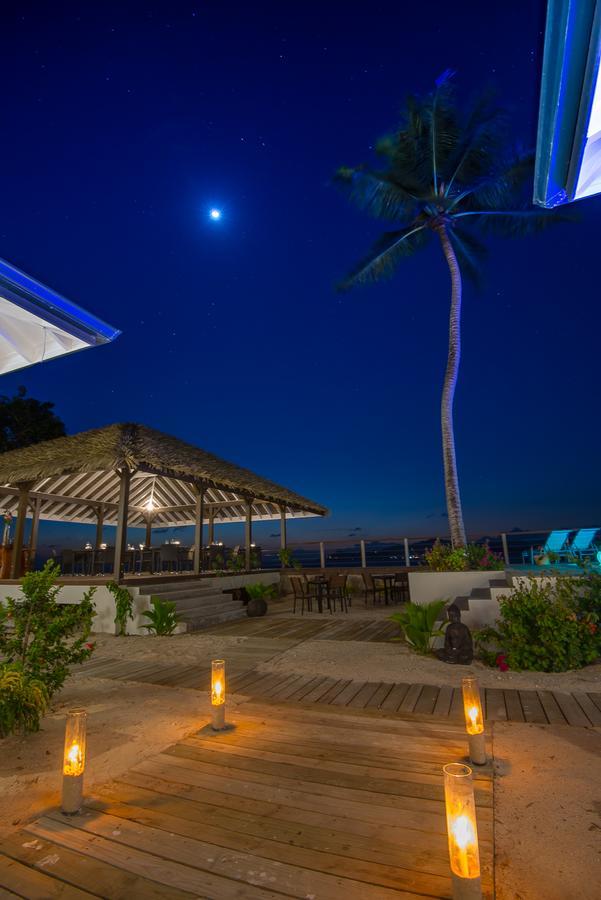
<point>162,618</point>
<point>261,591</point>
<point>418,624</point>
<point>124,606</point>
<point>23,700</point>
<point>443,558</point>
<point>544,626</point>
<point>287,560</point>
<point>46,637</point>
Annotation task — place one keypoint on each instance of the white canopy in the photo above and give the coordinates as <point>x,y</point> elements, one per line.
<point>37,324</point>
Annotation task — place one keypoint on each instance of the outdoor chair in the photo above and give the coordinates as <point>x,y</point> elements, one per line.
<point>169,558</point>
<point>583,543</point>
<point>337,590</point>
<point>400,588</point>
<point>557,542</point>
<point>302,594</point>
<point>372,588</point>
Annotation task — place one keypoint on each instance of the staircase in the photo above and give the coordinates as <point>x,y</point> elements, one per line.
<point>481,606</point>
<point>199,603</point>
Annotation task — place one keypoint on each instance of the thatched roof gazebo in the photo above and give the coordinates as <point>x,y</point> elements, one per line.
<point>133,475</point>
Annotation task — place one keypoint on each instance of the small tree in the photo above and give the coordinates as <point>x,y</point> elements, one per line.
<point>25,420</point>
<point>46,637</point>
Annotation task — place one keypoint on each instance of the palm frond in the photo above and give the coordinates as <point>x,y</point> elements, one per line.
<point>376,193</point>
<point>385,254</point>
<point>482,147</point>
<point>508,187</point>
<point>514,222</point>
<point>470,253</point>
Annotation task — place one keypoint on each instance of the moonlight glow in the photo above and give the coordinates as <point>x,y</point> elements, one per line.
<point>215,214</point>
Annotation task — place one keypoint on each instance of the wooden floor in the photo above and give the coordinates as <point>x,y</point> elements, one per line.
<point>292,802</point>
<point>274,635</point>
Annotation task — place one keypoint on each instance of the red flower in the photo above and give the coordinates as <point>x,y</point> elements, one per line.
<point>90,646</point>
<point>501,661</point>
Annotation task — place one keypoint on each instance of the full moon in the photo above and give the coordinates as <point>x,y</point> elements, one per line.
<point>215,214</point>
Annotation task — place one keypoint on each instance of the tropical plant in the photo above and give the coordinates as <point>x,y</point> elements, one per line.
<point>163,617</point>
<point>124,606</point>
<point>23,700</point>
<point>444,558</point>
<point>261,591</point>
<point>46,637</point>
<point>235,563</point>
<point>287,559</point>
<point>545,625</point>
<point>447,173</point>
<point>418,624</point>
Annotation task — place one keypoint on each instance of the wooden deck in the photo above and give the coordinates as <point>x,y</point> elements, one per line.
<point>323,804</point>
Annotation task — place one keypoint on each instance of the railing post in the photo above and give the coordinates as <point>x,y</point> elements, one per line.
<point>505,548</point>
<point>363,557</point>
<point>407,556</point>
<point>322,555</point>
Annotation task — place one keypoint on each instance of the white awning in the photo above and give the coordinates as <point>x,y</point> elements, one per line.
<point>37,324</point>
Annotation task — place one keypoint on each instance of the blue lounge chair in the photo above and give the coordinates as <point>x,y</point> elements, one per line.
<point>583,543</point>
<point>556,543</point>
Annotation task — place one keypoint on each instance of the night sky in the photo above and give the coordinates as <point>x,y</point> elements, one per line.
<point>124,125</point>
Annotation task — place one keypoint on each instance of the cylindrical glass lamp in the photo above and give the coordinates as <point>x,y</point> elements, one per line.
<point>474,720</point>
<point>218,694</point>
<point>74,760</point>
<point>462,831</point>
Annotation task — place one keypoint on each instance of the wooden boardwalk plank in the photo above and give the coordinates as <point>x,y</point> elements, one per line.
<point>496,710</point>
<point>442,706</point>
<point>514,706</point>
<point>571,710</point>
<point>427,700</point>
<point>380,696</point>
<point>410,699</point>
<point>592,712</point>
<point>552,710</point>
<point>36,884</point>
<point>362,698</point>
<point>532,707</point>
<point>394,698</point>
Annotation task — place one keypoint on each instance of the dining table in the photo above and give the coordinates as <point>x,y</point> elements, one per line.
<point>321,584</point>
<point>387,579</point>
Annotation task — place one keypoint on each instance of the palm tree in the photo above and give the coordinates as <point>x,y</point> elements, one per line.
<point>448,172</point>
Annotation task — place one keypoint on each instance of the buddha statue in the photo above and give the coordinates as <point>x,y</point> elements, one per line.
<point>458,645</point>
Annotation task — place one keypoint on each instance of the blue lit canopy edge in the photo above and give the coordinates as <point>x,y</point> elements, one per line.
<point>568,148</point>
<point>37,324</point>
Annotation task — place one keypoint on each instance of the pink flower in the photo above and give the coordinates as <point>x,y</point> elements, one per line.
<point>501,661</point>
<point>90,646</point>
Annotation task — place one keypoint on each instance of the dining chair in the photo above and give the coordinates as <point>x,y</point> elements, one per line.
<point>372,588</point>
<point>337,590</point>
<point>302,594</point>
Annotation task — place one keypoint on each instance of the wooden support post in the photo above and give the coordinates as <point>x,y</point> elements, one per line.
<point>248,532</point>
<point>322,555</point>
<point>35,527</point>
<point>198,523</point>
<point>211,526</point>
<point>363,556</point>
<point>122,512</point>
<point>283,537</point>
<point>407,554</point>
<point>505,549</point>
<point>15,563</point>
<point>148,537</point>
<point>99,526</point>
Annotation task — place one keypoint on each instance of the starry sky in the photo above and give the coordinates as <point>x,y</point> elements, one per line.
<point>124,124</point>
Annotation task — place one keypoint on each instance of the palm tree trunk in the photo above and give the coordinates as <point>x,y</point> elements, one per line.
<point>456,526</point>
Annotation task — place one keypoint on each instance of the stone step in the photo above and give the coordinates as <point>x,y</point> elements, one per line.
<point>183,596</point>
<point>208,609</point>
<point>170,591</point>
<point>462,602</point>
<point>498,583</point>
<point>185,603</point>
<point>481,594</point>
<point>217,619</point>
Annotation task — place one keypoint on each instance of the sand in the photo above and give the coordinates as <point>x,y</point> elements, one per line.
<point>547,812</point>
<point>395,662</point>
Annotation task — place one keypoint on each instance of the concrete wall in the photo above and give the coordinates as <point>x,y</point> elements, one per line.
<point>104,601</point>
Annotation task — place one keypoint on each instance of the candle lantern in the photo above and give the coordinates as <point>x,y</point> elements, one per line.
<point>474,720</point>
<point>462,832</point>
<point>74,760</point>
<point>218,694</point>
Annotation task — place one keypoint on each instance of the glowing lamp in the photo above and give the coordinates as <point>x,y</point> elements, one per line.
<point>215,214</point>
<point>218,694</point>
<point>74,760</point>
<point>462,832</point>
<point>149,505</point>
<point>474,720</point>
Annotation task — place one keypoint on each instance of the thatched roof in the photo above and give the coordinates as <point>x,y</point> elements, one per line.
<point>71,475</point>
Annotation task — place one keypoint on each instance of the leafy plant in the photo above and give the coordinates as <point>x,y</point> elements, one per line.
<point>124,606</point>
<point>23,700</point>
<point>46,637</point>
<point>418,624</point>
<point>546,625</point>
<point>162,618</point>
<point>261,591</point>
<point>235,563</point>
<point>287,559</point>
<point>444,558</point>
